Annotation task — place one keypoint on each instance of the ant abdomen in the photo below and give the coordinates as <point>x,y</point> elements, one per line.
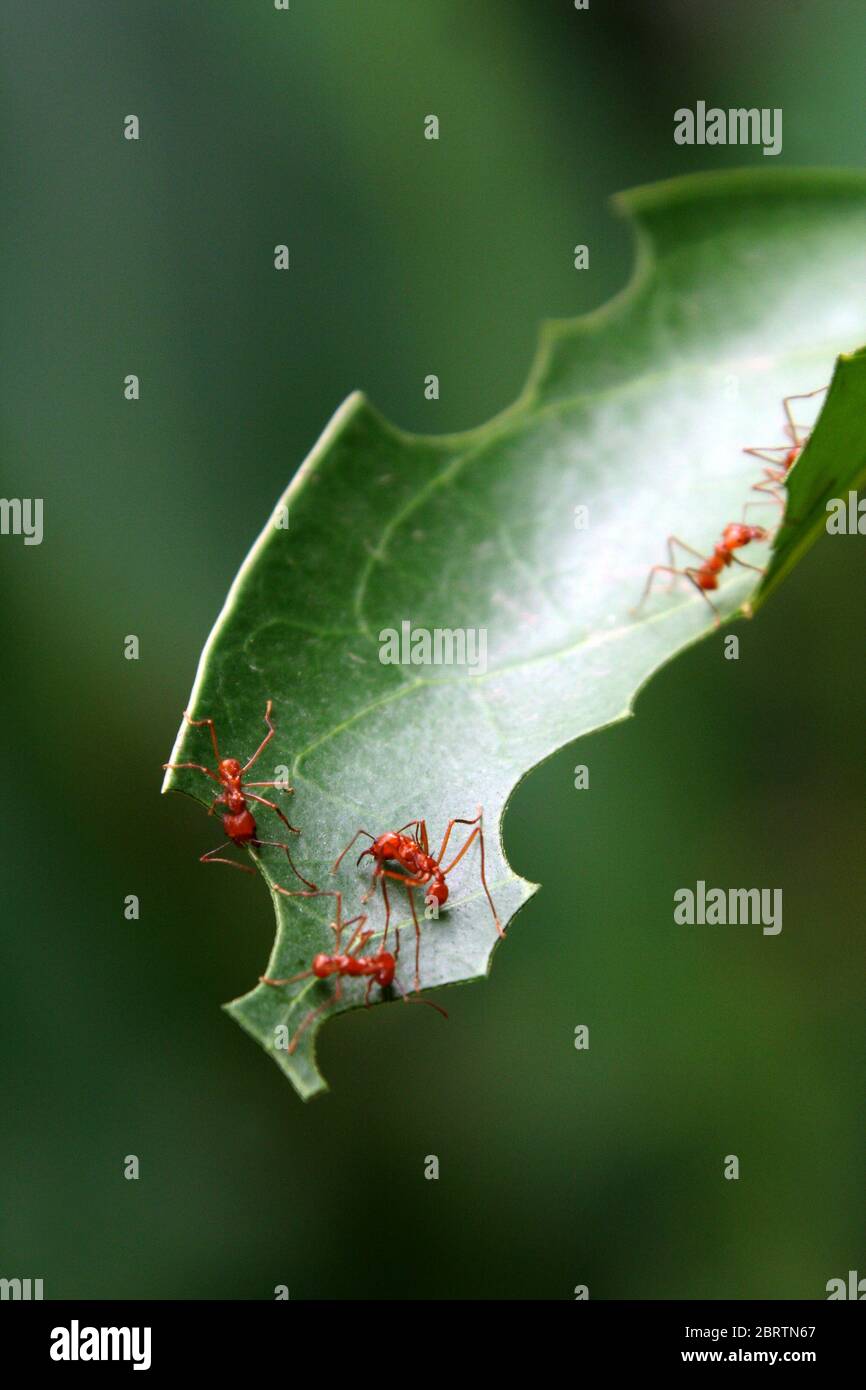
<point>437,892</point>
<point>386,970</point>
<point>240,826</point>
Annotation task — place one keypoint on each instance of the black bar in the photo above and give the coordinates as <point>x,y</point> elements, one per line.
<point>222,1338</point>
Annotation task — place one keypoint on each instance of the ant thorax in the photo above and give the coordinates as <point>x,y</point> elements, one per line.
<point>416,860</point>
<point>387,846</point>
<point>421,863</point>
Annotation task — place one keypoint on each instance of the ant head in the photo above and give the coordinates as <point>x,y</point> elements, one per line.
<point>758,533</point>
<point>736,533</point>
<point>229,769</point>
<point>437,893</point>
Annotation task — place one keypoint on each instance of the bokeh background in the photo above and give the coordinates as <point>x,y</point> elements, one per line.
<point>557,1167</point>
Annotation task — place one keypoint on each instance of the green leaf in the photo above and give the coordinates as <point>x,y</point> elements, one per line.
<point>832,464</point>
<point>747,287</point>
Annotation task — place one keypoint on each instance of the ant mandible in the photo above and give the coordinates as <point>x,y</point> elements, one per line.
<point>706,575</point>
<point>380,968</point>
<point>238,820</point>
<point>781,457</point>
<point>423,870</point>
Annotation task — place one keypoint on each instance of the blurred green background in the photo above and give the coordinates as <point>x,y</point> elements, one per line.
<point>557,1167</point>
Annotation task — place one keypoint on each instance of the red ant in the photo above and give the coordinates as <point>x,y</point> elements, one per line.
<point>238,821</point>
<point>782,457</point>
<point>379,968</point>
<point>424,870</point>
<point>706,575</point>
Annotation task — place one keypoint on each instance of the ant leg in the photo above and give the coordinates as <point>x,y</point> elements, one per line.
<point>396,945</point>
<point>361,935</point>
<point>795,428</point>
<point>263,801</point>
<point>478,831</point>
<point>382,874</point>
<point>278,844</point>
<point>769,453</point>
<point>292,979</point>
<point>746,566</point>
<point>279,786</point>
<point>387,902</point>
<point>670,569</point>
<point>314,1014</point>
<point>410,894</point>
<point>212,857</point>
<point>420,836</point>
<point>779,501</point>
<point>345,851</point>
<point>300,893</point>
<point>675,540</point>
<point>400,878</point>
<point>194,767</point>
<point>336,926</point>
<point>656,569</point>
<point>770,487</point>
<point>371,891</point>
<point>265,741</point>
<point>410,884</point>
<point>691,576</point>
<point>406,1000</point>
<point>460,853</point>
<point>458,820</point>
<point>399,988</point>
<point>198,724</point>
